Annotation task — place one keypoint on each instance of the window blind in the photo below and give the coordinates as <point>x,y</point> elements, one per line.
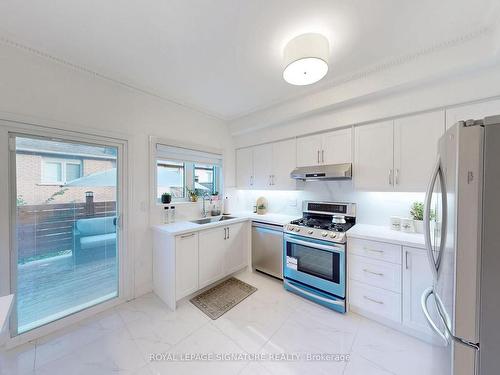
<point>186,154</point>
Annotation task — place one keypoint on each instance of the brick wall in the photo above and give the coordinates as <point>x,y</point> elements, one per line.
<point>30,189</point>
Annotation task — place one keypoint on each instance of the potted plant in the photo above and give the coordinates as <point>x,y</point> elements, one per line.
<point>261,209</point>
<point>417,214</point>
<point>166,198</point>
<point>193,195</point>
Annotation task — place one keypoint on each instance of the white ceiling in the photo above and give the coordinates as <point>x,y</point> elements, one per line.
<point>224,56</point>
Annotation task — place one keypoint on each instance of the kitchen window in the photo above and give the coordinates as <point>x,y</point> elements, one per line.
<point>181,170</point>
<point>205,178</point>
<point>60,171</point>
<point>170,178</point>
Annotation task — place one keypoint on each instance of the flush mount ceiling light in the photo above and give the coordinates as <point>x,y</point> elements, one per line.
<point>306,59</point>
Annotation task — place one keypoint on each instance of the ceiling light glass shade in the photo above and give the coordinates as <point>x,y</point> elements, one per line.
<point>306,59</point>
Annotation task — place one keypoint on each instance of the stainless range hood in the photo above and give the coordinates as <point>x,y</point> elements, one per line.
<point>323,172</point>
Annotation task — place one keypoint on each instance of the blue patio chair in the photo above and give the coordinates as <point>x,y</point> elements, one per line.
<point>95,239</point>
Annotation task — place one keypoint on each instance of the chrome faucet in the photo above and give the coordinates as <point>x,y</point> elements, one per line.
<point>204,212</point>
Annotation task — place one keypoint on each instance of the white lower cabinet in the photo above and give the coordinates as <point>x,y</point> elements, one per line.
<point>189,262</point>
<point>373,300</point>
<point>416,278</point>
<point>186,275</point>
<point>221,251</point>
<point>376,273</point>
<point>211,252</point>
<point>386,282</point>
<point>235,257</point>
<point>382,251</point>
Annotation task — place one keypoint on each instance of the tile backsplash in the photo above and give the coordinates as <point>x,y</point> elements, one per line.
<point>372,207</point>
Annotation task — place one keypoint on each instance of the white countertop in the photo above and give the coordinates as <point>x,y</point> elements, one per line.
<point>278,219</point>
<point>182,227</point>
<point>385,234</point>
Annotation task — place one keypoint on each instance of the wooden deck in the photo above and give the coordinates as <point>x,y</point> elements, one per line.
<point>48,287</point>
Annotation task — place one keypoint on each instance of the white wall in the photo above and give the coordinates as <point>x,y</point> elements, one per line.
<point>45,92</point>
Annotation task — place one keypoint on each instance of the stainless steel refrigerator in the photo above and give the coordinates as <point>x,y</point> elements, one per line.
<point>462,231</point>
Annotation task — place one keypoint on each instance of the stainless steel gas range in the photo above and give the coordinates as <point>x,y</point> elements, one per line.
<point>314,252</point>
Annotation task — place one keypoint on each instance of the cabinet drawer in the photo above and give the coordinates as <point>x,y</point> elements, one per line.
<point>375,272</point>
<point>378,301</point>
<point>375,250</point>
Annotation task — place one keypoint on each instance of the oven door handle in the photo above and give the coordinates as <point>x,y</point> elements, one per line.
<point>314,245</point>
<point>332,302</point>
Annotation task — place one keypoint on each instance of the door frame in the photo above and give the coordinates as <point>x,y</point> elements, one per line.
<point>8,251</point>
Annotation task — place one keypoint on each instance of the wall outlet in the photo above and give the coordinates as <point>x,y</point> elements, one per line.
<point>292,202</point>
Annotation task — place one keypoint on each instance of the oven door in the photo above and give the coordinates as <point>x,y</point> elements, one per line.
<point>319,264</point>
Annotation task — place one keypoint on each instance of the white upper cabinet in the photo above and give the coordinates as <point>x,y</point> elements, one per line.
<point>337,147</point>
<point>374,156</point>
<point>284,162</point>
<point>309,151</point>
<point>327,148</point>
<point>262,166</point>
<point>474,111</point>
<point>415,149</point>
<point>397,155</point>
<point>244,168</point>
<point>266,166</point>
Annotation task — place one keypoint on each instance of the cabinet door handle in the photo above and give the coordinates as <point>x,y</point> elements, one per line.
<point>373,300</point>
<point>228,232</point>
<point>323,156</point>
<point>397,176</point>
<point>225,233</point>
<point>318,156</point>
<point>187,235</point>
<point>373,273</point>
<point>406,259</point>
<point>251,180</point>
<point>373,250</point>
<point>390,177</point>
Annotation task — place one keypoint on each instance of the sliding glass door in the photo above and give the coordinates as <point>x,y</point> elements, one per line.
<point>66,228</point>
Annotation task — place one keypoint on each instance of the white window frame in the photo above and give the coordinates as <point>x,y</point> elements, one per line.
<point>7,213</point>
<point>184,182</point>
<point>188,172</point>
<point>189,178</point>
<point>64,162</point>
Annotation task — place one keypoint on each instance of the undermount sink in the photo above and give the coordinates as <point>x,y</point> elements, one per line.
<point>212,219</point>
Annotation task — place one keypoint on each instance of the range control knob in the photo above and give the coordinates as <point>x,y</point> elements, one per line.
<point>324,234</point>
<point>310,231</point>
<point>333,235</point>
<point>297,229</point>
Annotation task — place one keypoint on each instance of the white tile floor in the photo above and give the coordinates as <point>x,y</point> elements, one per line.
<point>119,341</point>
